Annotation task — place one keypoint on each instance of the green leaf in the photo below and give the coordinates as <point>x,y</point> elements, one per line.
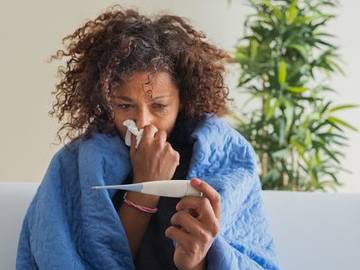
<point>282,153</point>
<point>331,154</point>
<point>295,89</point>
<point>325,43</point>
<point>341,122</point>
<point>270,106</point>
<point>343,107</point>
<point>308,140</point>
<point>241,57</point>
<point>282,131</point>
<point>324,34</point>
<point>253,48</point>
<point>282,73</point>
<point>301,49</point>
<point>336,66</point>
<point>291,14</point>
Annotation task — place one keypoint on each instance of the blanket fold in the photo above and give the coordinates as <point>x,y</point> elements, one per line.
<point>70,226</point>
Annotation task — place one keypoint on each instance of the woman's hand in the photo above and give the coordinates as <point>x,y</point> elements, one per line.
<point>194,226</point>
<point>154,158</point>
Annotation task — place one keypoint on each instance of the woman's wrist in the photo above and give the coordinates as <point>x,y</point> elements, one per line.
<point>143,199</point>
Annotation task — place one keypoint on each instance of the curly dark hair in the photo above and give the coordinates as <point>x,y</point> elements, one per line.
<point>104,52</point>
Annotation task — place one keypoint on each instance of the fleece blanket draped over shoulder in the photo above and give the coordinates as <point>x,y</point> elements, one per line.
<point>70,226</point>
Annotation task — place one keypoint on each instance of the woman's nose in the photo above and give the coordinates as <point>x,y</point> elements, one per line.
<point>142,119</point>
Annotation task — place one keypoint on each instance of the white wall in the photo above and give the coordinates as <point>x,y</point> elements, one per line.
<point>31,31</point>
<point>346,28</point>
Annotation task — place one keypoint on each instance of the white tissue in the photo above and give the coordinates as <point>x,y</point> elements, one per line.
<point>132,129</point>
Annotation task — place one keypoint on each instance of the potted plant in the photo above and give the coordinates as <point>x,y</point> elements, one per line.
<point>286,59</point>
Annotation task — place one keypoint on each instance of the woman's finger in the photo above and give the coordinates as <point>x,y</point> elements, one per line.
<point>210,193</point>
<point>181,237</point>
<point>186,221</point>
<point>148,133</point>
<point>201,205</point>
<point>160,137</point>
<point>132,145</point>
<point>203,208</point>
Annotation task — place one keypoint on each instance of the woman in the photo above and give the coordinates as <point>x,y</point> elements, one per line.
<point>168,79</point>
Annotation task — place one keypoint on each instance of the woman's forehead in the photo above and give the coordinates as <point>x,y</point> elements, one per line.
<point>159,84</point>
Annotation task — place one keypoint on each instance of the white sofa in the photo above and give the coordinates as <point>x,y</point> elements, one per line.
<point>311,230</point>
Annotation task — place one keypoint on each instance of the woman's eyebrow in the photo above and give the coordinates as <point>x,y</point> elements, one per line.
<point>159,97</point>
<point>125,98</point>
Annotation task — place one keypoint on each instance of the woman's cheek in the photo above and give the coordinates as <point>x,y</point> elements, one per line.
<point>121,129</point>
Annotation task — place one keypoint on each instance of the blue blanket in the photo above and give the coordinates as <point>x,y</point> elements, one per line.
<point>70,226</point>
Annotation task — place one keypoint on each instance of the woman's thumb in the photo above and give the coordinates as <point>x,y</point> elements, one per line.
<point>132,144</point>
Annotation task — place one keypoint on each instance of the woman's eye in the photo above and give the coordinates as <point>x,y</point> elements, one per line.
<point>159,106</point>
<point>124,106</point>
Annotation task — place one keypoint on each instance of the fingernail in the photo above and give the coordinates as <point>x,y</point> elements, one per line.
<point>196,182</point>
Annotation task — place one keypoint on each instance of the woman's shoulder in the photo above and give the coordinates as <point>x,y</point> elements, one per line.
<point>218,129</point>
<point>94,145</point>
<point>220,142</point>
